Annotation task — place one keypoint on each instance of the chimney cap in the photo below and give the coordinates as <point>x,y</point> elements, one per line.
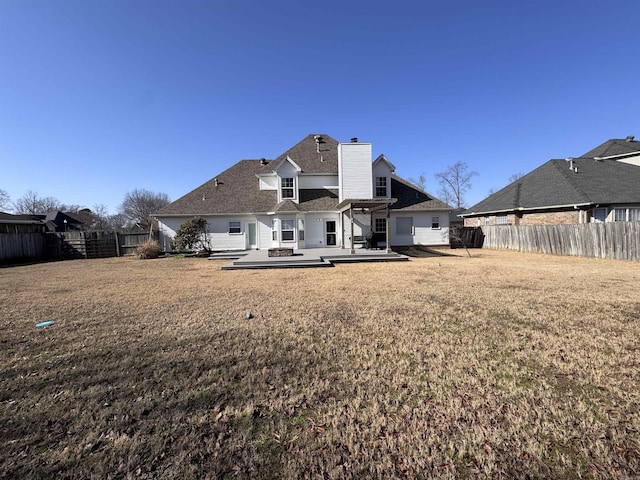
<point>354,140</point>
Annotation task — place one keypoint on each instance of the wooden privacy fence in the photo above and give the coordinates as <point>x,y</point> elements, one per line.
<point>99,244</point>
<point>614,240</point>
<point>38,245</point>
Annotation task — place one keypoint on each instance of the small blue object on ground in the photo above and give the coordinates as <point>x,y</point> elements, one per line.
<point>45,324</point>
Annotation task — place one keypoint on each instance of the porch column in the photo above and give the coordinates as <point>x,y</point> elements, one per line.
<point>388,231</point>
<point>342,229</point>
<point>353,251</point>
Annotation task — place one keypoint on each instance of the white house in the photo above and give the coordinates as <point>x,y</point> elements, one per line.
<point>319,193</point>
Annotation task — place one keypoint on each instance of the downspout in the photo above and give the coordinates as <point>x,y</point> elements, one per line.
<point>388,229</point>
<point>353,250</point>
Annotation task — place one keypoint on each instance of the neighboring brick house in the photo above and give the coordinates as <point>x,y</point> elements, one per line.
<point>318,193</point>
<point>603,185</point>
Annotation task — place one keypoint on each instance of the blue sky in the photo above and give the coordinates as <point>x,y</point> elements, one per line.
<point>98,98</point>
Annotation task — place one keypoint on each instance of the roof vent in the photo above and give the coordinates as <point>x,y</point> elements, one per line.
<point>570,160</point>
<point>263,161</point>
<point>354,140</point>
<point>630,138</point>
<point>318,139</point>
<point>215,182</point>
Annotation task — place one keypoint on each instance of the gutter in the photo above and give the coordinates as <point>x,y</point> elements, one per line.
<point>610,157</point>
<point>575,206</point>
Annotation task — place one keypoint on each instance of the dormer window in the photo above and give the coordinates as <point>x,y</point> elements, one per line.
<point>287,188</point>
<point>381,186</point>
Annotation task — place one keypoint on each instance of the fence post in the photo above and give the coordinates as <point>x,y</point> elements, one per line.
<point>117,243</point>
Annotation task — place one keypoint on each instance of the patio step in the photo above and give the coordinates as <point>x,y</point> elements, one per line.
<point>263,264</point>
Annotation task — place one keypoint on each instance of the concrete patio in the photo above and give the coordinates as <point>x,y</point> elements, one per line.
<point>305,258</point>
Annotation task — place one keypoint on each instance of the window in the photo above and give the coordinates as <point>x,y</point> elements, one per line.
<point>288,230</point>
<point>381,186</point>
<point>502,220</point>
<point>627,214</point>
<point>381,225</point>
<point>235,227</point>
<point>274,230</point>
<point>599,215</point>
<point>404,226</point>
<point>287,188</point>
<point>435,222</point>
<point>300,229</point>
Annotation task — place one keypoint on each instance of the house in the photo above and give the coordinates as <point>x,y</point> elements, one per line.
<point>318,193</point>
<point>602,185</point>
<point>57,221</point>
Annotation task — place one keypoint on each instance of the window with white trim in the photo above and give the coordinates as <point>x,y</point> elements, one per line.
<point>287,187</point>
<point>381,186</point>
<point>301,229</point>
<point>235,227</point>
<point>435,223</point>
<point>381,225</point>
<point>502,220</point>
<point>288,230</point>
<point>404,225</point>
<point>274,230</point>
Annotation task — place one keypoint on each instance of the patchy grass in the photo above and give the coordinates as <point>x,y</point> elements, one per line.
<point>498,366</point>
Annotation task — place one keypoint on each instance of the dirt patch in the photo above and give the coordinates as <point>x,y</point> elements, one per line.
<point>504,365</point>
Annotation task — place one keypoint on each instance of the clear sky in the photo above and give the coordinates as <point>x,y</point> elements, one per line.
<point>98,98</point>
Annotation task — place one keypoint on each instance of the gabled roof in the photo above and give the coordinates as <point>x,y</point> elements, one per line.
<point>411,197</point>
<point>314,157</point>
<point>554,184</point>
<point>613,147</point>
<point>236,190</point>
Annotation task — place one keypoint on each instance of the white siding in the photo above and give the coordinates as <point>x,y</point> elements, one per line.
<point>354,170</point>
<point>631,160</point>
<point>318,181</point>
<point>422,234</point>
<point>269,183</point>
<point>315,229</point>
<point>219,235</point>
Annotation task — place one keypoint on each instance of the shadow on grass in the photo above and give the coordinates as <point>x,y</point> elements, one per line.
<point>419,251</point>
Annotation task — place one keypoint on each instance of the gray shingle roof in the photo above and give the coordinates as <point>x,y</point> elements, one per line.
<point>615,146</point>
<point>236,190</point>
<point>555,184</point>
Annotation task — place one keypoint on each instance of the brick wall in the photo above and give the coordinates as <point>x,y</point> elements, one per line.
<point>546,218</point>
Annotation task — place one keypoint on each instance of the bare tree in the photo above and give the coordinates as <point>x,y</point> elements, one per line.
<point>420,182</point>
<point>138,206</point>
<point>454,182</point>
<point>32,204</point>
<point>5,201</point>
<point>516,176</point>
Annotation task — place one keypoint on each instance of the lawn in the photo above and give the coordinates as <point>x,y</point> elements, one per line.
<point>504,365</point>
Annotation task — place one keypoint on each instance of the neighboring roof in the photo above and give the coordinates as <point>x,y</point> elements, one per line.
<point>19,219</point>
<point>614,147</point>
<point>554,184</point>
<point>236,190</point>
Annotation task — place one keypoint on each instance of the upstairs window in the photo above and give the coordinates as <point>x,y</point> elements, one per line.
<point>287,188</point>
<point>381,186</point>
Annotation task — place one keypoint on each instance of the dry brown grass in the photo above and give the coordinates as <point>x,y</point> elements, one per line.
<point>504,365</point>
